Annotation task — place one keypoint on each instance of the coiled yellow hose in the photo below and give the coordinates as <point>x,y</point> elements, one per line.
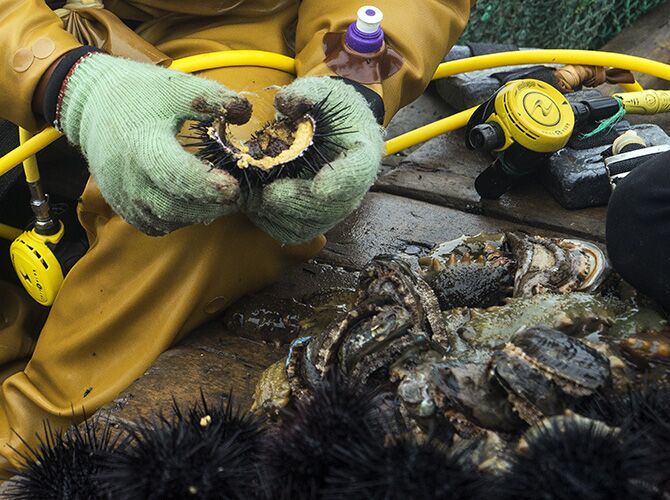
<point>284,63</point>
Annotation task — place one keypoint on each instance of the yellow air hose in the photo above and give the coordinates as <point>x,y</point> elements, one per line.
<point>9,233</point>
<point>421,134</point>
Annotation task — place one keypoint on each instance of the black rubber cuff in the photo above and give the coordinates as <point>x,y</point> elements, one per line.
<point>482,49</point>
<point>375,101</point>
<point>56,81</point>
<point>542,73</point>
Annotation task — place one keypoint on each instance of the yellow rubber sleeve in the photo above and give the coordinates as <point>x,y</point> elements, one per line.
<point>284,63</point>
<point>647,102</point>
<point>9,232</point>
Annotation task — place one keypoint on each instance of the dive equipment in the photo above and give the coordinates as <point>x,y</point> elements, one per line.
<point>526,121</point>
<point>34,252</point>
<point>523,124</point>
<point>646,102</point>
<point>36,264</point>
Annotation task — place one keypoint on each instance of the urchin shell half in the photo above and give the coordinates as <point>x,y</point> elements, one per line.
<point>287,147</point>
<point>279,142</point>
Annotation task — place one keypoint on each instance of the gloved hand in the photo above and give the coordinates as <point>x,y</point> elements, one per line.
<point>125,115</point>
<point>296,210</point>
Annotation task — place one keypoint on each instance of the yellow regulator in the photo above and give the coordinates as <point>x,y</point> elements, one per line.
<point>36,264</point>
<point>528,112</point>
<point>522,124</point>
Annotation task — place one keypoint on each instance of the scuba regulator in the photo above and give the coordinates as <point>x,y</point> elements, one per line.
<point>34,253</point>
<point>41,256</point>
<point>526,121</point>
<point>523,123</point>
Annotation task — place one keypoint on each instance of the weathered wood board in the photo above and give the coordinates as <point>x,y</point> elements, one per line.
<point>443,171</point>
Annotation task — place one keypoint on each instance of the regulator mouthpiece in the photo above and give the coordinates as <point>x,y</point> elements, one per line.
<point>486,137</point>
<point>366,35</point>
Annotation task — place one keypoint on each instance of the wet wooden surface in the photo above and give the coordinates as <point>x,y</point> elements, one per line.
<point>423,196</point>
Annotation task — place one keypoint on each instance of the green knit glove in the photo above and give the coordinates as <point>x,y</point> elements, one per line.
<point>125,116</point>
<point>296,210</point>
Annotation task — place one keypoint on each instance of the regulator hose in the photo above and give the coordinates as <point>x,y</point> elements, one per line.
<point>286,64</point>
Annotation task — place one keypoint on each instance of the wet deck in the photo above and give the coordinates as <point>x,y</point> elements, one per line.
<point>423,196</point>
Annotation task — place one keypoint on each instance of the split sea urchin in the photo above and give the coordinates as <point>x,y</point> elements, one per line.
<point>293,147</point>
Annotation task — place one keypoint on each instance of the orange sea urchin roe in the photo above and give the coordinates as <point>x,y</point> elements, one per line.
<point>278,143</point>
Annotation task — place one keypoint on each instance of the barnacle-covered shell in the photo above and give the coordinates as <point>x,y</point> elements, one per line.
<point>469,279</point>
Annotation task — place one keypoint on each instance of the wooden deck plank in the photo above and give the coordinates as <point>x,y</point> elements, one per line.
<point>230,352</point>
<point>386,223</point>
<point>442,171</point>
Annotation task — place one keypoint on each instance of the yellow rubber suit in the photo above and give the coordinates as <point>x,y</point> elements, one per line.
<point>132,296</point>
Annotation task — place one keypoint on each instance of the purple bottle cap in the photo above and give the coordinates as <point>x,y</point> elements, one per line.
<point>366,35</point>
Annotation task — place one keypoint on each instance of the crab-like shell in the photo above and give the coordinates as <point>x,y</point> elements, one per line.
<point>279,142</point>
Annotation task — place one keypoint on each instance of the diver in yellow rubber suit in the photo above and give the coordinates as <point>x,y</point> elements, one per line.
<point>198,247</point>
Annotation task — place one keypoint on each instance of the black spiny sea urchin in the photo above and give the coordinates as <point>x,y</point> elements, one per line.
<point>406,470</point>
<point>570,457</point>
<point>643,414</point>
<point>67,464</point>
<point>207,453</point>
<point>300,455</point>
<point>289,147</point>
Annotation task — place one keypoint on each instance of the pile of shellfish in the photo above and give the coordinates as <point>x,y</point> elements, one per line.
<point>488,339</point>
